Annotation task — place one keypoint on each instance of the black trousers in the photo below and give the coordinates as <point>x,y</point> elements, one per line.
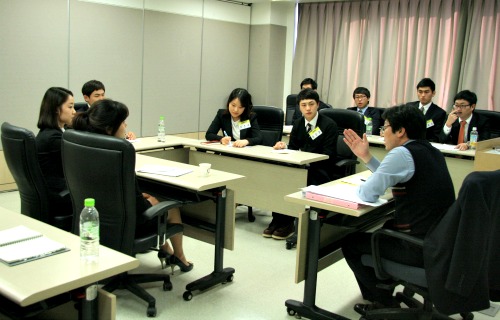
<point>357,244</point>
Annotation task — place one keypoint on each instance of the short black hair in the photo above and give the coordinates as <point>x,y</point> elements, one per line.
<point>91,86</point>
<point>51,104</point>
<point>408,117</point>
<point>307,94</point>
<point>105,117</point>
<point>245,99</point>
<point>427,82</point>
<point>361,90</point>
<point>466,95</point>
<point>309,81</point>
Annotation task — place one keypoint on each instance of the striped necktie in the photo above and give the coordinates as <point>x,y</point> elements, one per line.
<point>308,127</point>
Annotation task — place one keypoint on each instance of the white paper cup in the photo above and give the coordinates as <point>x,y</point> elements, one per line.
<point>204,169</point>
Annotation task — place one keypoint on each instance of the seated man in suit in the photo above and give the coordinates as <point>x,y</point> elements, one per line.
<point>361,98</point>
<point>434,115</point>
<point>93,91</point>
<point>462,119</point>
<point>422,189</point>
<point>308,83</point>
<point>313,132</point>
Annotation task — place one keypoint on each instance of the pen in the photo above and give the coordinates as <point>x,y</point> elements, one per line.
<point>225,134</point>
<point>363,180</point>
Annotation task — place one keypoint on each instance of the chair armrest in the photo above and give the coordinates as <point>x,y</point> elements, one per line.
<point>377,260</point>
<point>64,193</point>
<point>160,208</point>
<point>346,162</point>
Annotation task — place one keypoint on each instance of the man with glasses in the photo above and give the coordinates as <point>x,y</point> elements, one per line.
<point>361,96</point>
<point>422,190</point>
<point>434,115</point>
<point>308,83</point>
<point>462,119</point>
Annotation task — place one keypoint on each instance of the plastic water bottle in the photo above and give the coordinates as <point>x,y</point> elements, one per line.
<point>473,138</point>
<point>89,232</point>
<point>369,125</point>
<point>161,130</point>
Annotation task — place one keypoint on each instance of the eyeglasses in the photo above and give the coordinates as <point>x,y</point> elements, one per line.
<point>361,96</point>
<point>382,128</point>
<point>463,106</point>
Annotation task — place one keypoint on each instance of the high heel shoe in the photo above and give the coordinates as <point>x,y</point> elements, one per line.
<point>176,261</point>
<point>164,257</point>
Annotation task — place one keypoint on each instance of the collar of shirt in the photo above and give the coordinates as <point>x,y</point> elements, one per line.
<point>425,107</point>
<point>466,120</point>
<point>362,110</point>
<point>312,122</point>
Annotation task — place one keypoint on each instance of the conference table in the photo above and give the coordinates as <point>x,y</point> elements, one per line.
<point>202,221</point>
<point>316,250</point>
<point>38,280</point>
<point>269,174</point>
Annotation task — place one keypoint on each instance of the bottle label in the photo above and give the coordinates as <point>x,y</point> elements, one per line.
<point>90,231</point>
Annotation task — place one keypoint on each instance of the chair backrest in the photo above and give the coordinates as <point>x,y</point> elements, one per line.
<point>494,117</point>
<point>345,119</point>
<point>103,167</point>
<point>271,124</point>
<point>19,148</point>
<point>81,106</point>
<point>291,103</point>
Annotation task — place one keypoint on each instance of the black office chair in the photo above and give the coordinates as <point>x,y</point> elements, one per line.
<point>345,163</point>
<point>291,103</point>
<point>270,121</point>
<point>454,238</point>
<point>494,117</point>
<point>19,147</point>
<point>103,167</point>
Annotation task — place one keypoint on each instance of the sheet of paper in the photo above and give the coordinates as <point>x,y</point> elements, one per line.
<point>441,146</point>
<point>164,170</point>
<point>283,151</point>
<point>344,191</point>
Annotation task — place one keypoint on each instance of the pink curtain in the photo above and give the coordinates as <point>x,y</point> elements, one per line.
<point>388,46</point>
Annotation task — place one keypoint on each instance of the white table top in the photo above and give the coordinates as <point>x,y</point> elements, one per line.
<point>37,280</point>
<point>190,180</point>
<point>262,153</point>
<point>444,148</point>
<point>151,143</point>
<point>298,198</point>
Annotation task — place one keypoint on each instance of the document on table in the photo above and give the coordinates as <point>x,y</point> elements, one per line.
<point>343,191</point>
<point>164,170</point>
<point>21,244</point>
<point>441,146</point>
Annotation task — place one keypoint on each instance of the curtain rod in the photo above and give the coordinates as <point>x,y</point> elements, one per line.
<point>237,2</point>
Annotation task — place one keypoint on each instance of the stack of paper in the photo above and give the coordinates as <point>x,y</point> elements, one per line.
<point>164,170</point>
<point>341,194</point>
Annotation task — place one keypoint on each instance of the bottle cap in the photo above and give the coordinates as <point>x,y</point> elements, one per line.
<point>89,202</point>
<point>474,128</point>
<point>161,118</point>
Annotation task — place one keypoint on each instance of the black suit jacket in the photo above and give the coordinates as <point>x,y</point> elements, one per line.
<point>81,106</point>
<point>322,171</point>
<point>438,117</point>
<point>222,121</point>
<point>481,123</point>
<point>461,255</point>
<point>374,114</point>
<point>48,146</point>
<point>297,114</point>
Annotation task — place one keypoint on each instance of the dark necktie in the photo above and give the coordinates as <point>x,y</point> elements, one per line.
<point>461,133</point>
<point>308,127</point>
<point>422,109</point>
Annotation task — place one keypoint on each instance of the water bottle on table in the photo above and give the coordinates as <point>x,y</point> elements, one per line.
<point>161,129</point>
<point>369,126</point>
<point>473,138</point>
<point>89,232</point>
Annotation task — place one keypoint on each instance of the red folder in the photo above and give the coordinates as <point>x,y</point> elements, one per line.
<point>334,201</point>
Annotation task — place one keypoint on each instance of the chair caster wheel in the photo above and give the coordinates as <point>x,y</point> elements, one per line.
<point>467,316</point>
<point>290,311</point>
<point>151,312</point>
<point>289,246</point>
<point>229,278</point>
<point>167,286</point>
<point>188,295</point>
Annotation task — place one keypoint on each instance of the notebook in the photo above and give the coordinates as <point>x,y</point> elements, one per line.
<point>21,244</point>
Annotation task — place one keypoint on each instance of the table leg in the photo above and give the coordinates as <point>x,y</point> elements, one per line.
<point>89,307</point>
<point>308,308</point>
<point>220,274</point>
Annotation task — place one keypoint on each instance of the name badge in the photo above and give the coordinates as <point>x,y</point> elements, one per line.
<point>315,133</point>
<point>244,124</point>
<point>430,123</point>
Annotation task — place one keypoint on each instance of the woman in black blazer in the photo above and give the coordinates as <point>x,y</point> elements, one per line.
<point>56,112</point>
<point>108,117</point>
<point>237,122</point>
